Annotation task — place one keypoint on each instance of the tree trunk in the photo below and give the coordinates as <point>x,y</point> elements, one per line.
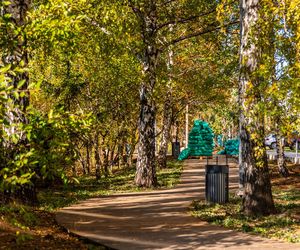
<point>97,157</point>
<point>106,161</point>
<point>111,161</point>
<point>130,149</point>
<point>281,162</point>
<point>88,158</point>
<point>15,54</point>
<point>165,138</point>
<point>112,155</point>
<point>280,156</point>
<point>120,155</point>
<point>74,171</point>
<point>129,157</point>
<point>145,167</point>
<point>83,164</point>
<point>257,187</point>
<point>167,113</point>
<point>187,126</point>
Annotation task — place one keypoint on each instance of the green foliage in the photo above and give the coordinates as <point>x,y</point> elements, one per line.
<point>49,151</point>
<point>53,140</point>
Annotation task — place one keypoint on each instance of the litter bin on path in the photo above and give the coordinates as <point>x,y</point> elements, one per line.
<point>175,149</point>
<point>216,182</point>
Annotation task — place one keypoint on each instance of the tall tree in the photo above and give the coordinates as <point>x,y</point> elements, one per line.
<point>258,195</point>
<point>167,111</point>
<point>281,44</point>
<point>146,172</point>
<point>189,19</point>
<point>15,53</point>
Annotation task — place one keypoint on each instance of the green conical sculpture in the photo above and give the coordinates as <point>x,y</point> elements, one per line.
<point>231,147</point>
<point>200,141</point>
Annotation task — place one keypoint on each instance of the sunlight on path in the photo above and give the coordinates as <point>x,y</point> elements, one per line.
<point>159,219</point>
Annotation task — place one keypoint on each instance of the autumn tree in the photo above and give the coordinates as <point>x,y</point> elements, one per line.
<point>258,195</point>
<point>90,72</point>
<point>188,19</point>
<point>15,55</point>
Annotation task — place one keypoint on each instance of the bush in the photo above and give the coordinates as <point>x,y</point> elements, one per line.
<point>44,155</point>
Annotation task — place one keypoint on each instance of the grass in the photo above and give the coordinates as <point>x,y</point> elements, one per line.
<point>89,187</point>
<point>284,225</point>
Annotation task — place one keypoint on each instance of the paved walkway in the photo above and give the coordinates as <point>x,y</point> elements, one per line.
<point>159,219</point>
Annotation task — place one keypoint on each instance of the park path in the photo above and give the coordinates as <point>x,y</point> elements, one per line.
<point>159,219</point>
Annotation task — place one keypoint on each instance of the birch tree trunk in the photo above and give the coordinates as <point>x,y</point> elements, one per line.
<point>167,113</point>
<point>97,157</point>
<point>106,161</point>
<point>82,161</point>
<point>88,162</point>
<point>145,167</point>
<point>112,156</point>
<point>15,54</point>
<point>257,187</point>
<point>130,149</point>
<point>120,154</point>
<point>165,138</point>
<point>281,163</point>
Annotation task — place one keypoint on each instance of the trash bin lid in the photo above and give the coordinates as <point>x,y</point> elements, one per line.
<point>216,169</point>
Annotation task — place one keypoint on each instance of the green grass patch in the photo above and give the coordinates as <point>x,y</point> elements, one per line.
<point>284,225</point>
<point>89,187</point>
<point>170,176</point>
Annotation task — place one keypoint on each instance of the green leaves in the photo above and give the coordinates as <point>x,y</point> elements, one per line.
<point>19,171</point>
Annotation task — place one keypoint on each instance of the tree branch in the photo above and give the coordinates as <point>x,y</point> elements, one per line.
<point>184,20</point>
<point>198,33</point>
<point>167,2</point>
<point>136,10</point>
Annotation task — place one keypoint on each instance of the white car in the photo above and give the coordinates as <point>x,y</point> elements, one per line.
<point>270,141</point>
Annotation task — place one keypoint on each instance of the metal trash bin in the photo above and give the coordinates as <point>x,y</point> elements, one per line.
<point>216,183</point>
<point>175,149</point>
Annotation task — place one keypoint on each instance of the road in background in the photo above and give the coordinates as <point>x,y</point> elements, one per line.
<point>288,154</point>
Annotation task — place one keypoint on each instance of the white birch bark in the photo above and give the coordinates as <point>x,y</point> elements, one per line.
<point>145,167</point>
<point>258,196</point>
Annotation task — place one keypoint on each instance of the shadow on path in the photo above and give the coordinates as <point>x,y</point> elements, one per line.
<point>159,219</point>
